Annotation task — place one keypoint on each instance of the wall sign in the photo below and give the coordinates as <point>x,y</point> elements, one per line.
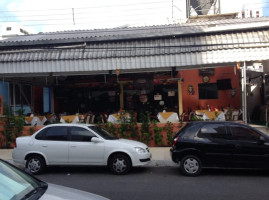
<point>143,98</point>
<point>190,89</point>
<point>111,93</point>
<point>233,92</point>
<point>171,93</point>
<point>207,72</point>
<point>157,97</point>
<point>205,79</point>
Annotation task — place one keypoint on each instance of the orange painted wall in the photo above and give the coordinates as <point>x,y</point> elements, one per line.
<point>191,77</point>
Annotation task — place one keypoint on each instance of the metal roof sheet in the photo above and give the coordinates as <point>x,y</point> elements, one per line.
<point>136,63</point>
<point>136,32</point>
<point>137,48</point>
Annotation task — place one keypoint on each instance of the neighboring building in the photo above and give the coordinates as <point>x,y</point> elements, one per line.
<point>249,12</point>
<point>14,29</point>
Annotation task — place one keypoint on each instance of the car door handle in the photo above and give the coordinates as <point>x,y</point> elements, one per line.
<point>72,146</point>
<point>44,145</point>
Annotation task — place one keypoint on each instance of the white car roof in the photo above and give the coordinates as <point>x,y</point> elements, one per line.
<point>70,124</point>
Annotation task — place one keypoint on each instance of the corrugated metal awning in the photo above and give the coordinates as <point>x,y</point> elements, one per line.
<point>181,52</point>
<point>136,63</point>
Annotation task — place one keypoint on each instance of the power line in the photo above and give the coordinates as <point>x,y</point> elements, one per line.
<point>78,14</point>
<point>105,30</point>
<point>107,6</point>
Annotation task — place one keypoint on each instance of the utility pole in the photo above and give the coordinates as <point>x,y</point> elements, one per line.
<point>73,16</point>
<point>173,10</point>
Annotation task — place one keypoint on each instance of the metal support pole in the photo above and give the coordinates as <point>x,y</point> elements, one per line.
<point>14,99</point>
<point>121,96</point>
<point>266,116</point>
<point>180,102</point>
<point>244,92</point>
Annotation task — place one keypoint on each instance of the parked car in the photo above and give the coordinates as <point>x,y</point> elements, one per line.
<point>219,144</point>
<point>16,184</point>
<point>78,144</point>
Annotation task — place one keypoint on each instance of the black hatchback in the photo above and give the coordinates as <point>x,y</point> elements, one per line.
<point>219,144</point>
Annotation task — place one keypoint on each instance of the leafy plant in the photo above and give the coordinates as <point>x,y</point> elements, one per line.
<point>145,126</point>
<point>169,133</point>
<point>19,123</point>
<point>13,125</point>
<point>32,130</point>
<point>109,127</point>
<point>158,138</point>
<point>133,127</point>
<point>124,124</point>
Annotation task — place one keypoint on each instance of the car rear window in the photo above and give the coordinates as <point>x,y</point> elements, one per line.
<point>187,128</point>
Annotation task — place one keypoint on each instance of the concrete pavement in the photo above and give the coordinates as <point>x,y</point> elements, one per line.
<point>160,156</point>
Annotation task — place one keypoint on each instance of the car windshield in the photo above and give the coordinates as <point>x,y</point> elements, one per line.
<point>104,134</point>
<point>15,184</point>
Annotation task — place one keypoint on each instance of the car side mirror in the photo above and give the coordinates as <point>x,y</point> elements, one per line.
<point>96,140</point>
<point>261,140</point>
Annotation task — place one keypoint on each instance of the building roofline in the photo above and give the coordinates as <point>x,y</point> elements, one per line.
<point>136,33</point>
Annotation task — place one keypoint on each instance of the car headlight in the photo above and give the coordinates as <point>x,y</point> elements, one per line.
<point>140,150</point>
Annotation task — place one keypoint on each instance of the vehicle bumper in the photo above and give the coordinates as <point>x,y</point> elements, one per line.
<point>18,156</point>
<point>141,159</point>
<point>173,156</point>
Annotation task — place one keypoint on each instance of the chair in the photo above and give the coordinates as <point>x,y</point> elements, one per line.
<point>90,119</point>
<point>236,115</point>
<point>181,117</point>
<point>191,115</point>
<point>194,116</point>
<point>104,117</point>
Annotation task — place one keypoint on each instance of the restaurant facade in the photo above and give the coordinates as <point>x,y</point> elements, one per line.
<point>178,68</point>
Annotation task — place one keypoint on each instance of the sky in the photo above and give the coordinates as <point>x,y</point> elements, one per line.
<point>59,15</point>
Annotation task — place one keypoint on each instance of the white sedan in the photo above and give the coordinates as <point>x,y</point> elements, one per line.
<point>78,144</point>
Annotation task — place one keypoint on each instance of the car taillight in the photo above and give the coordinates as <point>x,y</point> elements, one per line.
<point>175,141</point>
<point>15,144</point>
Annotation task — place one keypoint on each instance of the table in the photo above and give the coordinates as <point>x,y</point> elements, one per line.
<point>115,118</point>
<point>36,120</point>
<point>69,119</point>
<point>164,117</point>
<point>210,115</point>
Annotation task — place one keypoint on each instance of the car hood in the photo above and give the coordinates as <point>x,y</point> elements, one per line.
<point>132,143</point>
<point>57,192</point>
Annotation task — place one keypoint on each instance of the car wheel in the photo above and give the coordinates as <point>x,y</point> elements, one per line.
<point>119,164</point>
<point>191,165</point>
<point>35,164</point>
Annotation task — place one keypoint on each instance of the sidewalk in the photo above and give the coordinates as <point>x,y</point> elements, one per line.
<point>160,156</point>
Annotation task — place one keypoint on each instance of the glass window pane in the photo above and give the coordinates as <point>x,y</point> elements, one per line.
<point>243,133</point>
<point>41,135</point>
<point>57,133</point>
<point>81,134</point>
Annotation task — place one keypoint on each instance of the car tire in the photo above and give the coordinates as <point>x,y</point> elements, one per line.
<point>191,165</point>
<point>35,164</point>
<point>119,164</point>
